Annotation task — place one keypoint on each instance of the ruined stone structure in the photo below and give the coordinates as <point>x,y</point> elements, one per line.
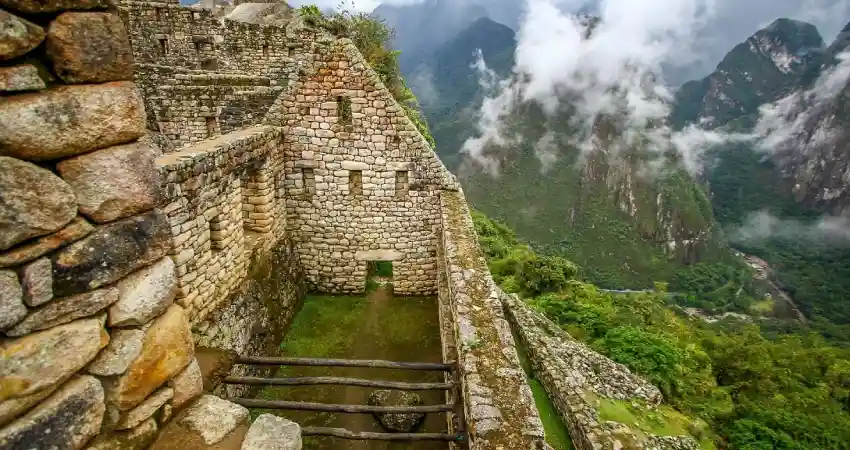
<point>172,181</point>
<point>575,376</point>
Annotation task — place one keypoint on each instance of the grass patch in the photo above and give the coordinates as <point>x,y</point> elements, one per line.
<point>660,421</point>
<point>763,307</point>
<point>557,434</point>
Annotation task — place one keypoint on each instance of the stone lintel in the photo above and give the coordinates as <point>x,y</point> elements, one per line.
<point>378,255</point>
<point>396,166</point>
<point>353,165</point>
<point>305,164</point>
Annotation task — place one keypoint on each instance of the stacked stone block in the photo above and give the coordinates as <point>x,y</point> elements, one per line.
<point>93,344</point>
<point>214,70</point>
<point>341,176</point>
<point>216,218</point>
<point>572,374</point>
<point>499,406</point>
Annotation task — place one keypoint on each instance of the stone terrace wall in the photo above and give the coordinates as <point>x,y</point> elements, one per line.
<point>571,373</point>
<point>361,182</point>
<point>204,76</point>
<point>190,106</point>
<point>500,411</point>
<point>93,342</point>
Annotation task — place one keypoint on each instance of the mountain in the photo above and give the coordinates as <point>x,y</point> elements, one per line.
<point>421,28</point>
<point>764,68</point>
<point>448,86</point>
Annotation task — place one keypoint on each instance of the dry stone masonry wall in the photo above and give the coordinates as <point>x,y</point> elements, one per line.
<point>574,376</point>
<point>140,221</point>
<point>94,344</point>
<point>347,143</point>
<point>500,411</point>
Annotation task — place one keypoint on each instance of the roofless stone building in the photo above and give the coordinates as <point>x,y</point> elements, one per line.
<point>172,183</point>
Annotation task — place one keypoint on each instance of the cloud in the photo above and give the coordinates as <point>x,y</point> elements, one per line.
<point>610,78</point>
<point>762,225</point>
<point>794,123</point>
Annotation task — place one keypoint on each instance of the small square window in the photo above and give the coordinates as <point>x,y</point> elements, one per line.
<point>163,46</point>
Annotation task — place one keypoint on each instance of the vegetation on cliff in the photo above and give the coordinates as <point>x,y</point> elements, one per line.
<point>756,387</point>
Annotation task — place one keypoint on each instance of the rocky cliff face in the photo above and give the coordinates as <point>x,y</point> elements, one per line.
<point>762,69</point>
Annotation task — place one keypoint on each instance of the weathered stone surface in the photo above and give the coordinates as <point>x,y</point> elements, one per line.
<point>66,420</point>
<point>138,438</point>
<point>12,309</point>
<point>33,201</point>
<point>14,407</point>
<point>115,182</point>
<point>20,78</point>
<point>166,351</point>
<point>17,36</point>
<point>270,432</point>
<point>145,410</point>
<point>47,6</point>
<point>124,347</point>
<point>187,385</point>
<point>378,255</point>
<point>74,231</point>
<point>402,423</point>
<point>144,294</point>
<point>110,253</point>
<point>89,47</point>
<point>40,360</point>
<point>64,310</point>
<point>37,281</point>
<point>70,120</point>
<point>209,424</point>
<point>213,418</point>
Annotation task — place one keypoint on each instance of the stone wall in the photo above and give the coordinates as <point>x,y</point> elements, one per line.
<point>574,375</point>
<point>499,407</point>
<point>224,202</point>
<point>361,182</point>
<point>93,341</point>
<point>202,75</point>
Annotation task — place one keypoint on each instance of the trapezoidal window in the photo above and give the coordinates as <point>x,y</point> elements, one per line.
<point>343,109</point>
<point>309,179</point>
<point>402,184</point>
<point>355,182</point>
<point>163,46</point>
<point>265,51</point>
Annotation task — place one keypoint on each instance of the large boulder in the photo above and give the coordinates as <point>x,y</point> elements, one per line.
<point>209,423</point>
<point>70,120</point>
<point>270,432</point>
<point>12,309</point>
<point>66,420</point>
<point>33,201</point>
<point>115,182</point>
<point>17,36</point>
<point>89,47</point>
<point>144,294</point>
<point>40,360</point>
<point>64,310</point>
<point>110,253</point>
<point>74,231</point>
<point>167,350</point>
<point>49,6</point>
<point>393,422</point>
